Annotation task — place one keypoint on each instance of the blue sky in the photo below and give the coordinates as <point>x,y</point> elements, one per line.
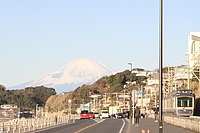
<point>38,37</point>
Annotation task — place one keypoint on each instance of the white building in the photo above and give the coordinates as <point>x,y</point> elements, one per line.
<point>181,73</point>
<point>9,110</point>
<point>193,51</point>
<point>139,72</point>
<point>8,106</point>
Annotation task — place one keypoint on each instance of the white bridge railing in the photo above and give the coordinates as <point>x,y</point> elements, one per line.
<point>28,125</point>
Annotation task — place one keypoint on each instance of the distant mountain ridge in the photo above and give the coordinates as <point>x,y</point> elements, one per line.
<point>76,73</point>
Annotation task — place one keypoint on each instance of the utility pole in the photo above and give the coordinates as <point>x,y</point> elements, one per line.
<point>94,104</point>
<point>36,111</point>
<point>133,101</point>
<point>105,100</point>
<point>155,95</point>
<point>130,100</point>
<point>124,101</point>
<point>160,69</point>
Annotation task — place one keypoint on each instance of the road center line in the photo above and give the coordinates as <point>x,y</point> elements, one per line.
<point>88,127</point>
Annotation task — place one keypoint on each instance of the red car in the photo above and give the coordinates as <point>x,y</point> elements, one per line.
<point>91,115</point>
<point>84,114</point>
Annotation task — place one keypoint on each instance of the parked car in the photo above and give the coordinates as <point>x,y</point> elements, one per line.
<point>84,114</point>
<point>120,115</point>
<point>96,115</point>
<point>104,114</point>
<point>91,115</point>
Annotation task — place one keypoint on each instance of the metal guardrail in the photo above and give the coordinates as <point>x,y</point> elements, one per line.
<point>28,125</point>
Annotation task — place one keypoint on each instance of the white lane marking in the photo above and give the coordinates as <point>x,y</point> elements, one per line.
<point>122,126</point>
<point>98,120</point>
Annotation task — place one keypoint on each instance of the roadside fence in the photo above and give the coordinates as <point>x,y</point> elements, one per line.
<point>28,125</point>
<point>191,123</point>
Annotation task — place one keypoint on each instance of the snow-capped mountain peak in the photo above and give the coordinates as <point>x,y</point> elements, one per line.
<point>76,73</point>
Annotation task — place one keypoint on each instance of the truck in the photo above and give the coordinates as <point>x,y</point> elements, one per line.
<point>104,114</point>
<point>112,110</point>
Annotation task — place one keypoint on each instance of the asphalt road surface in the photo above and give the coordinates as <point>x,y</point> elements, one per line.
<point>90,126</point>
<point>113,126</point>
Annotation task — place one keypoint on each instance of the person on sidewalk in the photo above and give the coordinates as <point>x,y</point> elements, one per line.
<point>156,114</point>
<point>137,116</point>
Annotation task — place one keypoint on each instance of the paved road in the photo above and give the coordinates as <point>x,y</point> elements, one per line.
<point>153,127</point>
<point>113,126</point>
<point>90,126</point>
<point>106,126</point>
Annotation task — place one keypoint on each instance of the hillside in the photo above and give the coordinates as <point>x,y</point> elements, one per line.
<point>26,98</point>
<point>107,84</point>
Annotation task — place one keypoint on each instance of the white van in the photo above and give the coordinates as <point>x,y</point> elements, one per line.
<point>104,114</point>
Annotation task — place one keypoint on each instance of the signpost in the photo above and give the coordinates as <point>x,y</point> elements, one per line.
<point>70,104</point>
<point>140,92</point>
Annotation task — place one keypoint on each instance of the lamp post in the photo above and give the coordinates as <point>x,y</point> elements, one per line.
<point>132,102</point>
<point>131,66</point>
<point>160,68</point>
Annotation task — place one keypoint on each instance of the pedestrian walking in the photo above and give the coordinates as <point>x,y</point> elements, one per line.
<point>137,116</point>
<point>156,114</point>
<point>56,120</point>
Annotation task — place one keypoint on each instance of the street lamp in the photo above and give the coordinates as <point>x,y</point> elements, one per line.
<point>131,110</point>
<point>131,66</point>
<point>160,68</point>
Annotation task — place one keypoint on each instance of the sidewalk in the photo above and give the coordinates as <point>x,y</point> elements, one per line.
<point>148,124</point>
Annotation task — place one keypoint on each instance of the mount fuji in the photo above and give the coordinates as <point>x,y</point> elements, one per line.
<point>78,72</point>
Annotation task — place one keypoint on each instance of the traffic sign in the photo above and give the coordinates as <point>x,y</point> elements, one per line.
<point>69,102</point>
<point>139,92</point>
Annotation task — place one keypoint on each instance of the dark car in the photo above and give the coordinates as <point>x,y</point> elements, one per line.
<point>120,115</point>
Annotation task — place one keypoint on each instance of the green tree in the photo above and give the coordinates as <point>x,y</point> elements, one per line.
<point>2,88</point>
